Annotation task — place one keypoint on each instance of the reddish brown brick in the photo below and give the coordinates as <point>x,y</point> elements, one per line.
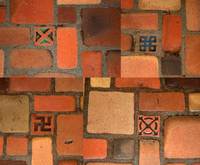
<point>138,82</point>
<point>182,136</point>
<point>101,27</point>
<point>126,42</point>
<point>162,101</point>
<point>139,67</point>
<point>91,63</point>
<point>12,162</point>
<point>139,21</point>
<point>22,11</point>
<point>67,47</point>
<point>171,41</point>
<point>78,2</point>
<point>30,59</point>
<point>66,14</point>
<point>149,152</point>
<point>192,56</point>
<point>113,63</point>
<point>193,14</point>
<point>94,148</point>
<point>69,84</point>
<point>1,63</point>
<point>1,145</point>
<point>54,103</point>
<point>30,84</point>
<point>17,145</point>
<point>68,162</point>
<point>127,4</point>
<point>70,139</point>
<point>14,36</point>
<point>2,14</point>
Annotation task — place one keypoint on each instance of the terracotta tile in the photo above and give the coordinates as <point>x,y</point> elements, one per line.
<point>30,59</point>
<point>2,14</point>
<point>94,148</point>
<point>68,162</point>
<point>139,67</point>
<point>101,27</point>
<point>15,111</point>
<point>54,103</point>
<point>1,145</point>
<point>111,112</point>
<point>192,15</point>
<point>149,152</point>
<point>12,162</point>
<point>1,63</point>
<point>127,4</point>
<point>70,139</point>
<point>126,42</point>
<point>42,151</point>
<point>66,14</point>
<point>194,103</point>
<point>78,2</point>
<point>22,11</point>
<point>17,145</point>
<point>29,84</point>
<point>180,127</point>
<point>69,84</point>
<point>113,63</point>
<point>162,101</point>
<point>160,4</point>
<point>91,63</point>
<point>67,47</point>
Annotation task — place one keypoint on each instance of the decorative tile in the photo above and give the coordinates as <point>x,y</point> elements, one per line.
<point>149,126</point>
<point>42,124</point>
<point>44,36</point>
<point>148,43</point>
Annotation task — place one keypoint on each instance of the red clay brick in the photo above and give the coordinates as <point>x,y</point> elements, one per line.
<point>66,14</point>
<point>160,4</point>
<point>126,42</point>
<point>192,15</point>
<point>149,152</point>
<point>17,145</point>
<point>113,63</point>
<point>139,21</point>
<point>67,49</point>
<point>30,84</point>
<point>68,162</point>
<point>14,36</point>
<point>30,58</point>
<point>78,2</point>
<point>94,148</point>
<point>101,27</point>
<point>54,103</point>
<point>127,4</point>
<point>138,82</point>
<point>192,55</point>
<point>1,145</point>
<point>181,138</point>
<point>69,84</point>
<point>139,67</point>
<point>22,11</point>
<point>2,14</point>
<point>70,139</point>
<point>171,41</point>
<point>91,63</point>
<point>1,63</point>
<point>162,101</point>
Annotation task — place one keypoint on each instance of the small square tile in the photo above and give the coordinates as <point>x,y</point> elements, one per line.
<point>149,126</point>
<point>42,124</point>
<point>148,43</point>
<point>44,36</point>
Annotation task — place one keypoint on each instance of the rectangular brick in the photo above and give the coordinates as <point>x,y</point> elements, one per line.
<point>30,59</point>
<point>194,102</point>
<point>1,145</point>
<point>113,63</point>
<point>14,36</point>
<point>171,40</point>
<point>78,2</point>
<point>67,47</point>
<point>1,63</point>
<point>168,101</point>
<point>54,103</point>
<point>94,148</point>
<point>139,21</point>
<point>30,84</point>
<point>149,152</point>
<point>2,14</point>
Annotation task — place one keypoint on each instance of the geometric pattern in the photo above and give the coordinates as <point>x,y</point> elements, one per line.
<point>149,126</point>
<point>44,36</point>
<point>148,43</point>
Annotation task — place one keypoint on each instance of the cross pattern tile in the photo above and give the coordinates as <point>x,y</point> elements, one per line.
<point>148,43</point>
<point>149,126</point>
